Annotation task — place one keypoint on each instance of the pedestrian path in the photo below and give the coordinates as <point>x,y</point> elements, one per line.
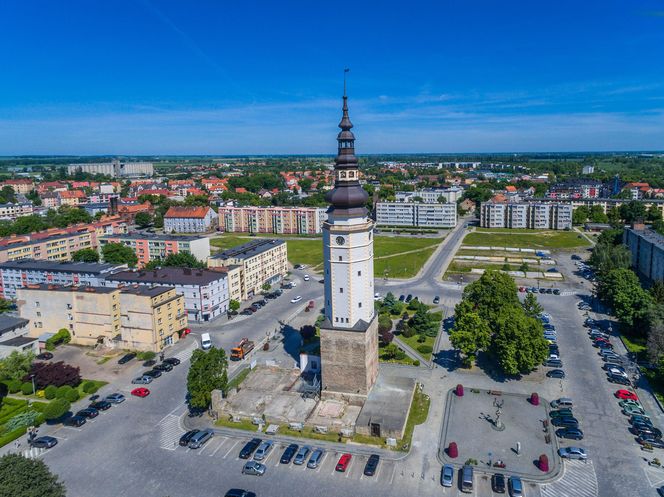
<point>579,480</point>
<point>169,432</point>
<point>185,353</point>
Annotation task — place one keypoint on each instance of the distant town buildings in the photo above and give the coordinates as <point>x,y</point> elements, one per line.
<point>13,211</point>
<point>416,214</point>
<point>647,249</point>
<point>115,169</point>
<point>135,318</point>
<point>150,247</point>
<point>190,220</point>
<point>525,215</point>
<point>585,188</point>
<point>19,274</point>
<point>261,261</point>
<point>278,220</point>
<point>205,292</point>
<point>588,169</point>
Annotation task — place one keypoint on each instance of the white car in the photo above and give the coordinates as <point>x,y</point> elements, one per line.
<point>572,453</point>
<point>618,372</point>
<point>295,300</point>
<point>305,277</point>
<point>377,296</point>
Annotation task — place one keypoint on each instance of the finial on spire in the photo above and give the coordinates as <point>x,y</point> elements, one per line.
<point>345,71</point>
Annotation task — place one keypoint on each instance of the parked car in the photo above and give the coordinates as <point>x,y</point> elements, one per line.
<point>44,356</point>
<point>646,430</point>
<point>44,442</point>
<point>173,361</point>
<point>630,402</point>
<point>619,379</point>
<point>142,380</point>
<point>74,421</point>
<point>571,433</point>
<point>186,438</point>
<point>164,366</point>
<point>572,453</point>
<point>200,439</point>
<point>115,398</point>
<point>288,454</point>
<point>436,300</point>
<point>561,413</point>
<point>343,463</point>
<point>447,476</point>
<point>263,450</point>
<point>249,448</point>
<point>556,291</point>
<point>295,300</point>
<point>101,405</point>
<point>126,358</point>
<point>515,486</point>
<point>371,465</point>
<point>561,403</point>
<point>402,298</point>
<point>646,440</point>
<point>254,468</point>
<point>301,455</point>
<point>153,373</point>
<point>409,298</point>
<point>88,412</point>
<point>140,392</point>
<point>566,422</point>
<point>238,492</point>
<point>149,363</point>
<point>639,418</point>
<point>556,373</point>
<point>498,483</point>
<point>306,277</point>
<point>316,458</point>
<point>553,363</point>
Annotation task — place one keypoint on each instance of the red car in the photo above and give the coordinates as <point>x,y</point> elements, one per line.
<point>140,392</point>
<point>626,395</point>
<point>343,463</point>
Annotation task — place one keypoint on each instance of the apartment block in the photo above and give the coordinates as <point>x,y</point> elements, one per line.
<point>190,220</point>
<point>431,195</point>
<point>416,214</point>
<point>58,244</point>
<point>261,261</point>
<point>13,211</point>
<point>154,247</point>
<point>525,215</point>
<point>647,249</point>
<point>137,318</point>
<point>205,292</point>
<point>21,273</point>
<point>279,220</point>
<point>22,186</point>
<point>14,336</point>
<point>114,169</point>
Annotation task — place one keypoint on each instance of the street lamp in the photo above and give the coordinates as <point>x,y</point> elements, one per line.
<point>32,377</point>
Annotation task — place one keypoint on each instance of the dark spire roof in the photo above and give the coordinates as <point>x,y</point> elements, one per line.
<point>347,195</point>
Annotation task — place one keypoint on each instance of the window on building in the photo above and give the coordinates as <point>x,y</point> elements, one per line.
<point>359,273</point>
<point>36,304</point>
<point>341,290</point>
<point>359,304</point>
<point>336,320</point>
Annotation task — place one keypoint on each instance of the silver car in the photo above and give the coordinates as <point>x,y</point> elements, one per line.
<point>301,455</point>
<point>316,458</point>
<point>447,476</point>
<point>254,468</point>
<point>198,440</point>
<point>263,450</point>
<point>115,398</point>
<point>142,380</point>
<point>572,453</point>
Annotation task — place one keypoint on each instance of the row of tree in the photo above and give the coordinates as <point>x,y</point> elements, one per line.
<point>490,318</point>
<point>61,218</point>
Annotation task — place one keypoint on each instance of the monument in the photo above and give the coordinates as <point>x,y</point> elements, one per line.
<point>349,334</point>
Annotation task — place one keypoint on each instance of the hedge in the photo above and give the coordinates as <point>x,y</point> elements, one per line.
<point>26,388</point>
<point>63,391</point>
<point>11,436</point>
<point>146,355</point>
<point>72,395</point>
<point>56,409</point>
<point>50,392</point>
<point>90,387</point>
<point>424,349</point>
<point>13,385</point>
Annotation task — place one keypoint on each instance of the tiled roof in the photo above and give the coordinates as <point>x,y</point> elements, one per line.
<point>187,212</point>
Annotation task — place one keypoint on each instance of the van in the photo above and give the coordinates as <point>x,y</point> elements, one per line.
<point>467,479</point>
<point>563,402</point>
<point>206,343</point>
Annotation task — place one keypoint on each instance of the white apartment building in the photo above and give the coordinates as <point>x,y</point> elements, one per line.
<point>526,216</point>
<point>432,195</point>
<point>114,169</point>
<point>12,211</point>
<point>416,214</point>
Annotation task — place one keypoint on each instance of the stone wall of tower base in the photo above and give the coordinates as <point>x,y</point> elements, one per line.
<point>349,361</point>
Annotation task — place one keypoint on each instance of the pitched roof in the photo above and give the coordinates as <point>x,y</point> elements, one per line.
<point>187,212</point>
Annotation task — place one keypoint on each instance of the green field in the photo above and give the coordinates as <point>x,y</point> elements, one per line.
<point>310,252</point>
<point>519,239</point>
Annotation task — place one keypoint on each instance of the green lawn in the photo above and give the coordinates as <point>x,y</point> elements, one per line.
<point>413,344</point>
<point>534,240</point>
<point>310,252</point>
<point>419,410</point>
<point>10,408</point>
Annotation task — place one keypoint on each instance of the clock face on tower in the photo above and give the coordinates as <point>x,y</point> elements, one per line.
<point>341,240</point>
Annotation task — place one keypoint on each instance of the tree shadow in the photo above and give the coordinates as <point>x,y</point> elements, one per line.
<point>488,363</point>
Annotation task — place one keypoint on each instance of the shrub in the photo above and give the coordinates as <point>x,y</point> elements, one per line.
<point>416,362</point>
<point>72,395</point>
<point>62,392</point>
<point>307,332</point>
<point>90,387</point>
<point>26,388</point>
<point>384,323</point>
<point>146,355</point>
<point>13,385</point>
<point>57,373</point>
<point>60,337</point>
<point>56,408</point>
<point>27,418</point>
<point>424,349</point>
<point>50,392</point>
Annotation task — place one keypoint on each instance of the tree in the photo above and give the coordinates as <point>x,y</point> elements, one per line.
<point>54,373</point>
<point>117,253</point>
<point>181,259</point>
<point>234,305</point>
<point>5,305</point>
<point>606,258</point>
<point>16,365</point>
<point>655,343</point>
<point>518,342</point>
<point>653,214</point>
<point>621,289</point>
<point>490,293</point>
<point>56,408</point>
<point>85,255</point>
<point>22,477</point>
<point>597,214</point>
<point>633,211</point>
<point>422,324</point>
<point>470,335</point>
<point>207,372</point>
<point>580,215</point>
<point>531,306</point>
<point>384,323</point>
<point>657,292</point>
<point>524,267</point>
<point>143,219</point>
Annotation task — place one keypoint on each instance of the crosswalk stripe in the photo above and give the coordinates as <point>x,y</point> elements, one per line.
<point>185,354</point>
<point>170,432</point>
<point>579,480</point>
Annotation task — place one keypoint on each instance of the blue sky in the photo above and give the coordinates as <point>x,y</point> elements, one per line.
<point>260,77</point>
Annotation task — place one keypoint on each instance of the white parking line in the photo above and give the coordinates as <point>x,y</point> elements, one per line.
<point>223,440</point>
<point>229,450</point>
